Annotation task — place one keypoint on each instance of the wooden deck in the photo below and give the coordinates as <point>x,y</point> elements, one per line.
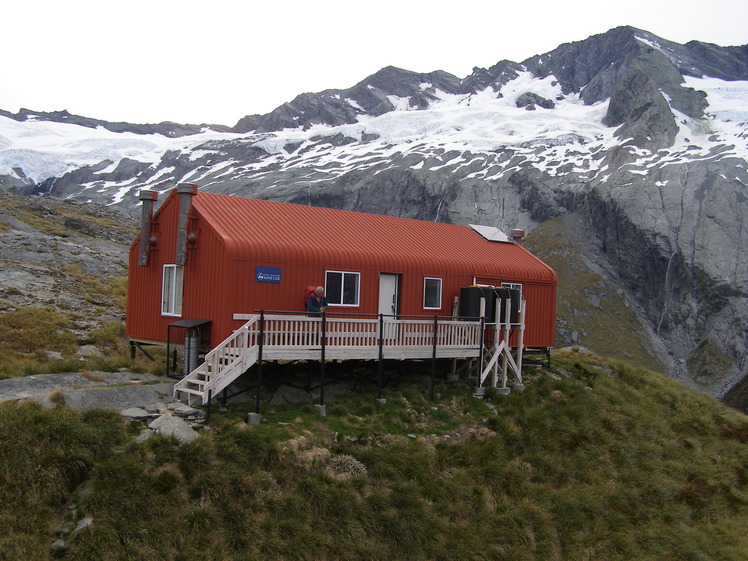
<point>272,337</point>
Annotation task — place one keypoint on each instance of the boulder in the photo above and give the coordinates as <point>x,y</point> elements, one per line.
<point>169,425</point>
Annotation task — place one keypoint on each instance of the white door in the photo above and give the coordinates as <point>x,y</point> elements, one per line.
<point>388,294</point>
<point>388,298</point>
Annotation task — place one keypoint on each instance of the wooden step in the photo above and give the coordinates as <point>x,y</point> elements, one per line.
<point>190,391</point>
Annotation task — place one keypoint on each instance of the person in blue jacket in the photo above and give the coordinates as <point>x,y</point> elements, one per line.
<point>317,302</point>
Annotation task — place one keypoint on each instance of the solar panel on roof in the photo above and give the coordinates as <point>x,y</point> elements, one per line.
<point>491,233</point>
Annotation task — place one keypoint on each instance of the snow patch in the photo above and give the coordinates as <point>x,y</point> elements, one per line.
<point>353,103</point>
<point>399,103</point>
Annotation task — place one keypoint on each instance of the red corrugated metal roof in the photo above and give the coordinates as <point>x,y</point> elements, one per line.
<point>284,231</point>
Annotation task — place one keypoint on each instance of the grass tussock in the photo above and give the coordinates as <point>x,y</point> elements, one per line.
<point>594,460</point>
<point>29,330</point>
<point>43,341</point>
<point>55,217</point>
<point>44,455</point>
<point>106,293</point>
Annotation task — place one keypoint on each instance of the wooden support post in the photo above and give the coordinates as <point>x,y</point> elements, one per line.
<point>507,320</point>
<point>433,357</point>
<point>495,373</point>
<point>168,352</point>
<point>259,361</point>
<point>453,372</point>
<point>479,390</point>
<point>381,356</point>
<point>322,359</point>
<point>135,345</point>
<point>521,339</point>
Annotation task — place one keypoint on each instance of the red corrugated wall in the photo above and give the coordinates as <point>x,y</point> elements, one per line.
<point>144,320</point>
<point>206,295</point>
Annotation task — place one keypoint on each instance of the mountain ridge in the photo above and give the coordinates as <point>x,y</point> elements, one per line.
<point>621,44</point>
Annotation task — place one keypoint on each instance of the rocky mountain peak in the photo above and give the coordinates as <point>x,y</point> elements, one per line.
<point>639,72</point>
<point>589,66</point>
<point>496,77</point>
<point>380,93</point>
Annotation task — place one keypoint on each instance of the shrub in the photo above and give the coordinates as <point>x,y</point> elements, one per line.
<point>348,464</point>
<point>111,335</point>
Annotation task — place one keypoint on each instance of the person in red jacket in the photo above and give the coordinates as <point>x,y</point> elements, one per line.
<point>317,302</point>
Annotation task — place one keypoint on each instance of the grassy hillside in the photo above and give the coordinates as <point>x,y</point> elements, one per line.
<point>595,460</point>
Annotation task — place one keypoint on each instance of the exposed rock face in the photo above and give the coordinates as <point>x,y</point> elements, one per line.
<point>638,105</point>
<point>495,77</point>
<point>627,139</point>
<point>62,255</point>
<point>529,100</point>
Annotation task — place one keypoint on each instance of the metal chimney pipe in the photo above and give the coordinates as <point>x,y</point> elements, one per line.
<point>186,192</point>
<point>517,235</point>
<point>148,199</point>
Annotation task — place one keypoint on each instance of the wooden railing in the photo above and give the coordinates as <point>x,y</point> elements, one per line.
<point>355,333</point>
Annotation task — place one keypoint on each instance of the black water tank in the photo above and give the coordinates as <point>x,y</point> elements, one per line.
<point>470,302</point>
<point>512,294</point>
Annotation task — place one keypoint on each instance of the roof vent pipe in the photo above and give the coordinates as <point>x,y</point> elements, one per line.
<point>148,199</point>
<point>186,192</point>
<point>517,235</point>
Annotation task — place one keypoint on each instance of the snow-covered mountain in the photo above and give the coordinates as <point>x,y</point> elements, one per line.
<point>643,141</point>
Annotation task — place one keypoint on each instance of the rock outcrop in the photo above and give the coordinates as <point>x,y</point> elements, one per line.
<point>63,255</point>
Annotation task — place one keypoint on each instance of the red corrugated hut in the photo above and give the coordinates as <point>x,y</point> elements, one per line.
<point>206,257</point>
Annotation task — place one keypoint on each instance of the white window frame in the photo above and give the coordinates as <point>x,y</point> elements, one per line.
<point>337,299</point>
<point>514,286</point>
<point>172,288</point>
<point>441,285</point>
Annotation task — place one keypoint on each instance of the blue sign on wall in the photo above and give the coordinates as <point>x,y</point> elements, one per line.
<point>268,274</point>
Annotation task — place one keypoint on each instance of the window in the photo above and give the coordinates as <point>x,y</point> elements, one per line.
<point>341,288</point>
<point>513,286</point>
<point>432,293</point>
<point>171,291</point>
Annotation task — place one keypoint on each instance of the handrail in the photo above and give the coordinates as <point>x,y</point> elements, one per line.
<point>354,315</point>
<point>232,353</point>
<point>284,331</point>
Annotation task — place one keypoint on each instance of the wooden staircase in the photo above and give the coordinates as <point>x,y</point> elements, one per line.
<point>224,364</point>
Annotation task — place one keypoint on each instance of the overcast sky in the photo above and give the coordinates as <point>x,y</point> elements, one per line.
<point>215,61</point>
